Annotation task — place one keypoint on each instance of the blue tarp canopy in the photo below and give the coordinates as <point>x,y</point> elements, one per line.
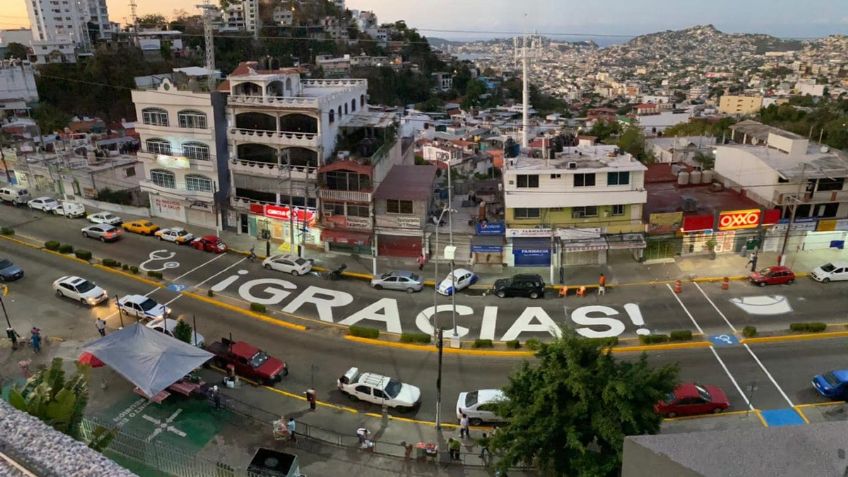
<point>147,358</point>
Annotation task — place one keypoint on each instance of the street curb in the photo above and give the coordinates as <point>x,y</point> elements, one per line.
<point>137,278</point>
<point>662,347</point>
<point>68,256</point>
<point>800,337</point>
<point>21,242</point>
<point>253,314</point>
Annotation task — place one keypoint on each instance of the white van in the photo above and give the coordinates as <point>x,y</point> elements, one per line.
<point>830,272</point>
<point>14,195</point>
<point>70,209</point>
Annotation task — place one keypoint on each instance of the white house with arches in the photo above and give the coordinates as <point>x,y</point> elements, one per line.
<point>281,129</point>
<point>182,170</point>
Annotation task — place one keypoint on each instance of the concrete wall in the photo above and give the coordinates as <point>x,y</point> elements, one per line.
<point>17,81</point>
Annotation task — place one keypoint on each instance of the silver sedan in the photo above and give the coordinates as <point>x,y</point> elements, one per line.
<point>398,280</point>
<point>104,232</point>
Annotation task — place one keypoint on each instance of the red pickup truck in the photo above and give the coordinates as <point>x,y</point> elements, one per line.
<point>248,360</point>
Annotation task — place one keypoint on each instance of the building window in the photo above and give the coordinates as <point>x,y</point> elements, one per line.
<point>158,146</point>
<point>154,117</point>
<point>163,179</point>
<point>830,184</point>
<point>584,180</point>
<point>353,105</point>
<point>556,176</point>
<point>198,183</point>
<point>196,150</point>
<point>399,206</point>
<point>617,210</point>
<point>333,208</point>
<point>527,213</point>
<point>581,212</point>
<point>332,116</point>
<point>192,119</point>
<point>618,178</point>
<point>358,211</point>
<point>527,181</point>
<point>130,172</point>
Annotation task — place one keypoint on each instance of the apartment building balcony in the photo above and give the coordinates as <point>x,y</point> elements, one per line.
<point>177,162</point>
<point>274,101</point>
<point>344,195</point>
<point>151,187</point>
<point>277,138</point>
<point>272,169</point>
<point>789,198</point>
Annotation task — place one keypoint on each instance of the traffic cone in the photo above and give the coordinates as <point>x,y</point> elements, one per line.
<point>678,286</point>
<point>563,292</point>
<point>581,291</point>
<point>725,283</point>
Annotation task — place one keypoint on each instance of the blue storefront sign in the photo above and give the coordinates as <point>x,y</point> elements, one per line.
<point>487,248</point>
<point>491,228</point>
<point>531,251</point>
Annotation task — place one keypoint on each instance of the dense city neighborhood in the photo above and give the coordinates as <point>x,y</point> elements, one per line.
<point>266,237</point>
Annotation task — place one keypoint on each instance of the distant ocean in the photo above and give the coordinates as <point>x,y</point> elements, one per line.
<point>601,41</point>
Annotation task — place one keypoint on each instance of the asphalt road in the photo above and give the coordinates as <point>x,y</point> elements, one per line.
<point>623,311</point>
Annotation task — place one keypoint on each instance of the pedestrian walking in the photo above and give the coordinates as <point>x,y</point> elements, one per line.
<point>252,255</point>
<point>421,261</point>
<point>362,436</point>
<point>751,258</point>
<point>754,261</point>
<point>602,285</point>
<point>216,396</point>
<point>101,326</point>
<point>464,431</point>
<point>311,399</point>
<point>454,446</point>
<point>483,442</point>
<point>35,338</point>
<point>13,337</point>
<point>291,426</point>
<point>407,450</point>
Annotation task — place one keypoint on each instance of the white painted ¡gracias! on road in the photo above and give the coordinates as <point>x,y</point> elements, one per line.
<point>763,305</point>
<point>594,321</point>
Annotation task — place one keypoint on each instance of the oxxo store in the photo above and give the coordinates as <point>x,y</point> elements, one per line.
<point>273,222</point>
<point>728,231</point>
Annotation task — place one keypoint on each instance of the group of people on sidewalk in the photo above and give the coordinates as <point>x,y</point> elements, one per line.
<point>34,339</point>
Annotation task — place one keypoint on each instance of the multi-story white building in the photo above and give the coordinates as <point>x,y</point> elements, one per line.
<point>59,27</point>
<point>780,169</point>
<point>282,16</point>
<point>574,208</point>
<point>282,128</point>
<point>240,16</point>
<point>17,81</point>
<point>184,152</point>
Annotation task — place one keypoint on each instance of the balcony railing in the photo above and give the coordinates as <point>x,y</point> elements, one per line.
<point>283,138</point>
<point>272,169</point>
<point>789,198</point>
<point>344,195</point>
<point>274,101</point>
<point>189,194</point>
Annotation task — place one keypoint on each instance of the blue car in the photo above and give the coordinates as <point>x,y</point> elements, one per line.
<point>832,384</point>
<point>9,271</point>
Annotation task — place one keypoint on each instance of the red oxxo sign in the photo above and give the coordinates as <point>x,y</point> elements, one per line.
<point>739,219</point>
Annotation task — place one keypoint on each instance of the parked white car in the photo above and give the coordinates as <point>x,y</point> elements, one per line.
<point>462,278</point>
<point>143,307</point>
<point>830,272</point>
<point>104,218</point>
<point>479,406</point>
<point>44,204</point>
<point>177,235</point>
<point>70,209</point>
<point>80,289</point>
<point>167,326</point>
<point>288,264</point>
<point>379,389</point>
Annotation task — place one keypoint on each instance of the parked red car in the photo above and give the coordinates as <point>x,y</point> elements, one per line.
<point>773,276</point>
<point>209,243</point>
<point>692,398</point>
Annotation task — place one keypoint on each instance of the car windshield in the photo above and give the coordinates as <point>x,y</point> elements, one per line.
<point>300,261</point>
<point>670,397</point>
<point>148,304</point>
<point>471,398</point>
<point>5,264</point>
<point>828,267</point>
<point>386,275</point>
<point>108,217</point>
<point>831,379</point>
<point>393,388</point>
<point>765,271</point>
<point>258,359</point>
<point>414,277</point>
<point>702,391</point>
<point>182,232</point>
<point>85,286</point>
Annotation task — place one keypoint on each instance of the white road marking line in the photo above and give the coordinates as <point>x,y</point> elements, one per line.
<point>732,379</point>
<point>199,266</point>
<point>222,271</point>
<point>715,307</point>
<point>769,375</point>
<point>685,309</point>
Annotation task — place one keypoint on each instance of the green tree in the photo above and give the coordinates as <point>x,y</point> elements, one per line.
<point>632,141</point>
<point>183,331</point>
<point>152,20</point>
<point>604,129</point>
<point>473,90</point>
<point>17,50</point>
<point>569,411</point>
<point>59,402</point>
<point>50,118</point>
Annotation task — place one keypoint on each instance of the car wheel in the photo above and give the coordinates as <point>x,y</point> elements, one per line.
<point>790,282</point>
<point>2,278</point>
<point>762,284</point>
<point>103,239</point>
<point>82,300</point>
<point>85,235</point>
<point>475,421</point>
<point>267,266</point>
<point>295,273</point>
<point>352,397</point>
<point>534,295</point>
<point>410,290</point>
<point>404,409</point>
<point>160,237</point>
<point>826,280</point>
<point>671,414</point>
<point>717,410</point>
<point>378,287</point>
<point>59,293</point>
<point>501,294</point>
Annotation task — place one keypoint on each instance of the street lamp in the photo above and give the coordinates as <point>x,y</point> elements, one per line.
<point>436,329</point>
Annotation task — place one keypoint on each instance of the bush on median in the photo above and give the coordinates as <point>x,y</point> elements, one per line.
<point>83,254</point>
<point>363,332</point>
<point>422,338</point>
<point>154,274</point>
<point>258,307</point>
<point>513,344</point>
<point>66,248</point>
<point>7,231</point>
<point>533,344</point>
<point>133,269</point>
<point>681,335</point>
<point>809,327</point>
<point>481,343</point>
<point>52,245</point>
<point>749,331</point>
<point>125,267</point>
<point>653,339</point>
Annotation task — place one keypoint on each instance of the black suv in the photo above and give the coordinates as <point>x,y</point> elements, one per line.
<point>531,286</point>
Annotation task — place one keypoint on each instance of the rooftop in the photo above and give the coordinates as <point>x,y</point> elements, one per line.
<point>407,183</point>
<point>581,158</point>
<point>818,162</point>
<point>761,131</point>
<point>669,197</point>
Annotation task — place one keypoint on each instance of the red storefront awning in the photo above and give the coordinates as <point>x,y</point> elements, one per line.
<point>695,223</point>
<point>345,237</point>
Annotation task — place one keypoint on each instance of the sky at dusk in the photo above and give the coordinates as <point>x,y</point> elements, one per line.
<point>786,18</point>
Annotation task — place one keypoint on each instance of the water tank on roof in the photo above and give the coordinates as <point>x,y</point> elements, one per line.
<point>695,177</point>
<point>707,176</point>
<point>683,178</point>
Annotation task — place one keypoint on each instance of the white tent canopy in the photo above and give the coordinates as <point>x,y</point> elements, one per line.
<point>149,359</point>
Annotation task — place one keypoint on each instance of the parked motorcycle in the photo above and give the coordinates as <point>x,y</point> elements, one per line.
<point>336,274</point>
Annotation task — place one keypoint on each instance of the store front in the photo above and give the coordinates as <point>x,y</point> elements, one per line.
<point>346,241</point>
<point>274,222</point>
<point>487,245</point>
<point>732,231</point>
<point>529,247</point>
<point>403,246</point>
<point>167,207</point>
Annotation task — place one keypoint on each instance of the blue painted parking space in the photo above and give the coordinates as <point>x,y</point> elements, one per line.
<point>176,287</point>
<point>724,340</point>
<point>782,417</point>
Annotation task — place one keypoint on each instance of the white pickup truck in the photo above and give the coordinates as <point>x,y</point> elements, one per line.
<point>379,389</point>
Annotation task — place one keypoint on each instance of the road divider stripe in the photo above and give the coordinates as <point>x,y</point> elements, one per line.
<point>732,379</point>
<point>22,242</point>
<point>684,308</point>
<point>252,314</point>
<point>715,307</point>
<point>800,337</point>
<point>433,349</point>
<point>706,416</point>
<point>821,404</point>
<point>771,378</point>
<point>661,347</point>
<point>801,413</point>
<point>198,267</point>
<point>762,419</point>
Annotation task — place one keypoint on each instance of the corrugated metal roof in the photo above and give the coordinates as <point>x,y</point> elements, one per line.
<point>407,183</point>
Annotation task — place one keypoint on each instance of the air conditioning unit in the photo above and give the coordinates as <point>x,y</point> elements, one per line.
<point>343,155</point>
<point>572,165</point>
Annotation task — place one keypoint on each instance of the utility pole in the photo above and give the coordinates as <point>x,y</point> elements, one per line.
<point>801,183</point>
<point>441,345</point>
<point>9,324</point>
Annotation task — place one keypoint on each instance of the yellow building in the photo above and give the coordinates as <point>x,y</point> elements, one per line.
<point>740,105</point>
